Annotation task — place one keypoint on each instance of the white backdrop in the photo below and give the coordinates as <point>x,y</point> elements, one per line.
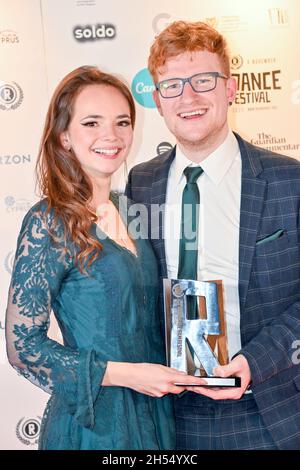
<point>41,41</point>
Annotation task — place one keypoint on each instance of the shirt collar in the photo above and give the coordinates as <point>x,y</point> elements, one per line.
<point>215,165</point>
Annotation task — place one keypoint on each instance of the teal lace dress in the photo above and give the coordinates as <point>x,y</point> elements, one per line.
<point>108,315</point>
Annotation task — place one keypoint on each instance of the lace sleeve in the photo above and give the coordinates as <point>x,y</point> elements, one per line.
<point>41,264</point>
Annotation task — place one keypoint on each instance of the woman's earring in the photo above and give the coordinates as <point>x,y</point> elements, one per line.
<point>67,145</point>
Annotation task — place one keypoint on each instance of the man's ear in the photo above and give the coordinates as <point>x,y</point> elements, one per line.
<point>155,95</point>
<point>231,90</point>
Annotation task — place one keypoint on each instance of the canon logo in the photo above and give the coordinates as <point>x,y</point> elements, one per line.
<point>94,32</point>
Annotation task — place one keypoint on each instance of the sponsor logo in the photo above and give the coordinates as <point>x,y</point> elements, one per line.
<point>15,159</point>
<point>85,3</point>
<point>295,98</point>
<point>28,430</point>
<point>94,32</point>
<point>11,96</point>
<point>160,22</point>
<point>17,205</point>
<point>211,21</point>
<point>278,17</point>
<point>9,262</point>
<point>9,36</point>
<point>142,88</point>
<point>231,23</point>
<point>273,143</point>
<point>163,147</point>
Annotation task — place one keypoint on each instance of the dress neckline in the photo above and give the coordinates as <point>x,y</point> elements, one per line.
<point>113,197</point>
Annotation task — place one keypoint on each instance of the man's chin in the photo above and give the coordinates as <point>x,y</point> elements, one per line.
<point>192,144</point>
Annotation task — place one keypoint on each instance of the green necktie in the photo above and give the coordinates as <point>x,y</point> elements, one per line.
<point>188,246</point>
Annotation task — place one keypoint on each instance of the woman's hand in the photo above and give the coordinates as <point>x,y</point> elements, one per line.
<point>154,380</point>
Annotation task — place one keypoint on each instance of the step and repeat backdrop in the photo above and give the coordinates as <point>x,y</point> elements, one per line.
<point>43,40</point>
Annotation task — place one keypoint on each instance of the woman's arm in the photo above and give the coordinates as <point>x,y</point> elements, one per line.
<point>151,379</point>
<point>41,265</point>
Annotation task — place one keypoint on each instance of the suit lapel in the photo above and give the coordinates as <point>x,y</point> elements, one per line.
<point>252,201</point>
<point>158,200</point>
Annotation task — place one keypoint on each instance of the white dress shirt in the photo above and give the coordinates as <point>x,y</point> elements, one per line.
<point>219,221</point>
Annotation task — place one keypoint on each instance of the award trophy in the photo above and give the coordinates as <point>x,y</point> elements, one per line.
<point>196,346</point>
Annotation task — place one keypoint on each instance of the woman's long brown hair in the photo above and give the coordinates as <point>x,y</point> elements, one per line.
<point>59,174</point>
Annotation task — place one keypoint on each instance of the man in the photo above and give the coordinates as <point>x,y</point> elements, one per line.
<point>248,236</point>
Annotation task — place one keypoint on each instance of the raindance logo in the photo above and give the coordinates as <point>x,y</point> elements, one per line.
<point>16,205</point>
<point>94,32</point>
<point>28,431</point>
<point>163,147</point>
<point>142,88</point>
<point>9,262</point>
<point>11,96</point>
<point>256,87</point>
<point>236,62</point>
<point>9,37</point>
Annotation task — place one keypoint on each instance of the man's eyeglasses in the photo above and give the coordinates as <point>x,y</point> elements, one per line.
<point>200,83</point>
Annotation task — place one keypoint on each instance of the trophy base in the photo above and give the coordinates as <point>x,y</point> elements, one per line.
<point>216,382</point>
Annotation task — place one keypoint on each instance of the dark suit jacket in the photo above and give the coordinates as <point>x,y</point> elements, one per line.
<point>269,276</point>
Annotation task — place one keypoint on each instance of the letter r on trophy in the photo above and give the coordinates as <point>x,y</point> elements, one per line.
<point>195,327</point>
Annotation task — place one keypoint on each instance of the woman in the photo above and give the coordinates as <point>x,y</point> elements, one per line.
<point>76,257</point>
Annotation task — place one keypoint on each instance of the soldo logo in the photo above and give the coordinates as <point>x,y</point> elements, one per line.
<point>142,88</point>
<point>94,32</point>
